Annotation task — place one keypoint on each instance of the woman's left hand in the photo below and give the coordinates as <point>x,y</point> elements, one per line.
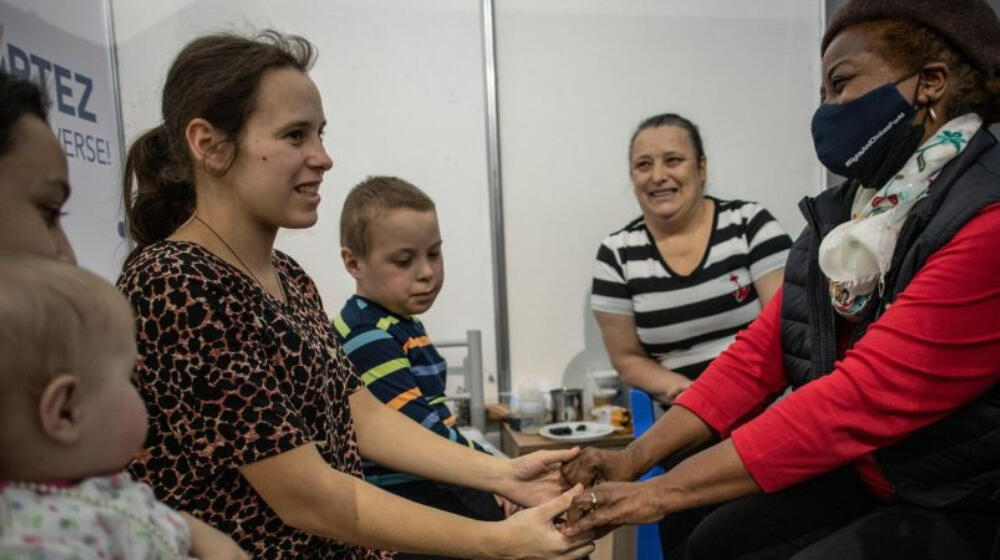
<point>535,478</point>
<point>613,504</point>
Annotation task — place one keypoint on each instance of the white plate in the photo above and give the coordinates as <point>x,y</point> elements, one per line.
<point>591,431</point>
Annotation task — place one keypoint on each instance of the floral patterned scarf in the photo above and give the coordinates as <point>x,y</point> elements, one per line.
<point>856,255</point>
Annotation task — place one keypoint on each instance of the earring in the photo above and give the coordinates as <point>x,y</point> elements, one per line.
<point>931,111</point>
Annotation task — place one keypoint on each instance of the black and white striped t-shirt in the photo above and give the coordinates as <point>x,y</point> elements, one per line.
<point>684,322</point>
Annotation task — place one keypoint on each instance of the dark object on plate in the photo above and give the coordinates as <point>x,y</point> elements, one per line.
<point>581,427</point>
<point>561,431</point>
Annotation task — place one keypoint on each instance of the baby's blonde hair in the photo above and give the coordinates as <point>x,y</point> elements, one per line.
<point>51,315</point>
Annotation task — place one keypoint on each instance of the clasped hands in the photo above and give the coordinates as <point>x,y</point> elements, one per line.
<point>600,498</point>
<point>610,497</point>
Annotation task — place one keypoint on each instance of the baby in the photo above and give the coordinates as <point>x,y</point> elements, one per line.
<point>72,419</point>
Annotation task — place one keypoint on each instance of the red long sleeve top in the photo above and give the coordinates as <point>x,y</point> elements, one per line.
<point>934,349</point>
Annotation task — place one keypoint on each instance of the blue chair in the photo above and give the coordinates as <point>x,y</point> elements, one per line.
<point>647,546</point>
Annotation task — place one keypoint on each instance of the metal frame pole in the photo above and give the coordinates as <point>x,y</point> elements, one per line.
<point>477,412</point>
<point>496,201</point>
<point>116,94</point>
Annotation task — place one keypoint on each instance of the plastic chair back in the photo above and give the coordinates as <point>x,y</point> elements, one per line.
<point>648,545</point>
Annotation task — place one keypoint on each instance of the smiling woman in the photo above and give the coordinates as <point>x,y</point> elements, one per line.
<point>673,287</point>
<point>257,420</point>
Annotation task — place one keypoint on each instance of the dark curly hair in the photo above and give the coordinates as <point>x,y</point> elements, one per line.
<point>18,97</point>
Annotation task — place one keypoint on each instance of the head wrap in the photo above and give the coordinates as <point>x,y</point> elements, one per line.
<point>970,25</point>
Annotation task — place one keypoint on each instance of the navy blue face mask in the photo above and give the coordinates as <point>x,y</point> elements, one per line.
<point>868,139</point>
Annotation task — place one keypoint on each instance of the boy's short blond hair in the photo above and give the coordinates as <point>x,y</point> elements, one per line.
<point>368,201</point>
<point>51,316</point>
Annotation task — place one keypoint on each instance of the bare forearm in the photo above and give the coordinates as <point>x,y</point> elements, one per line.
<point>646,374</point>
<point>637,371</point>
<point>306,493</point>
<point>712,476</point>
<point>630,359</point>
<point>393,440</point>
<point>352,511</point>
<point>677,430</point>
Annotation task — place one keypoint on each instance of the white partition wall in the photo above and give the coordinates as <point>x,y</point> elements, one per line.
<point>575,78</point>
<point>402,86</point>
<point>402,83</point>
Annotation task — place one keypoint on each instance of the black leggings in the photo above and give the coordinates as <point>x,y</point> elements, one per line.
<point>675,529</point>
<point>835,517</point>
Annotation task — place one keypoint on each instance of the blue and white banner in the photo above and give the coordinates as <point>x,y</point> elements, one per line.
<point>67,47</point>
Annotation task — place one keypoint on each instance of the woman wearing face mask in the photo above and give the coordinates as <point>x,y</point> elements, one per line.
<point>886,326</point>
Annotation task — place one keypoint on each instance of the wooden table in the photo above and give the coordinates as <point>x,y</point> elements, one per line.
<point>515,444</point>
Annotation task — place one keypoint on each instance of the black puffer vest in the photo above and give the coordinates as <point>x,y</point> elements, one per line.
<point>956,461</point>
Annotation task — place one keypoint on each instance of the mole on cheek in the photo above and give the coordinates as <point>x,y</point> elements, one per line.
<point>263,158</point>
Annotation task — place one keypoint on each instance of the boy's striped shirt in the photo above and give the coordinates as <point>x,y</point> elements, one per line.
<point>398,363</point>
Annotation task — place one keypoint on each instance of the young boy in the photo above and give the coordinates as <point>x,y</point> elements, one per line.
<point>391,245</point>
<point>72,419</point>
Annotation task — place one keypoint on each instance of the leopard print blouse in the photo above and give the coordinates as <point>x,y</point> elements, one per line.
<point>231,376</point>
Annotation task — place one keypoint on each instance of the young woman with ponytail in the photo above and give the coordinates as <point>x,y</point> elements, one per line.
<point>257,422</point>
